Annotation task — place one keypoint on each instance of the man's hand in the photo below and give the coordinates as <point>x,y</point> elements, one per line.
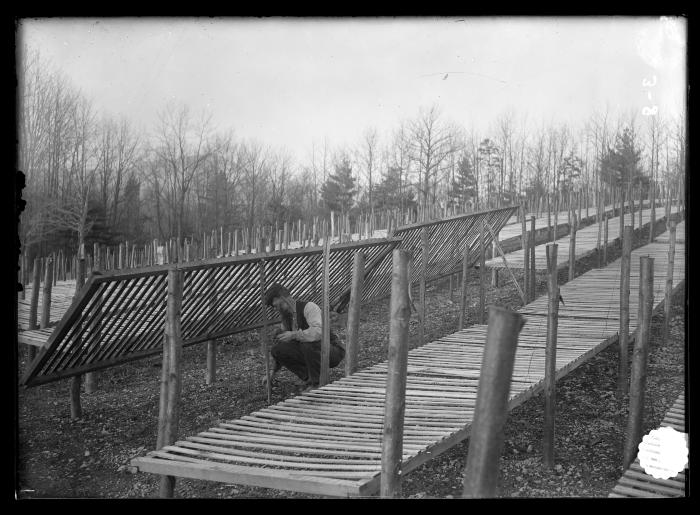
<point>285,336</point>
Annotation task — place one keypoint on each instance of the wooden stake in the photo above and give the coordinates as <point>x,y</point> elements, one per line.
<point>353,328</point>
<point>623,334</point>
<point>639,360</point>
<point>533,264</point>
<point>482,273</point>
<point>392,435</point>
<point>425,256</point>
<point>173,339</point>
<point>669,281</point>
<point>46,300</point>
<point>264,346</point>
<point>605,240</point>
<point>34,301</point>
<point>572,248</point>
<point>486,435</point>
<point>526,258</point>
<point>494,270</point>
<point>550,357</point>
<point>211,344</point>
<point>326,340</point>
<point>652,202</point>
<point>463,296</point>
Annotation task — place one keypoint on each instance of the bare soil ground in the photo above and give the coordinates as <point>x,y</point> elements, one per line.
<point>89,458</point>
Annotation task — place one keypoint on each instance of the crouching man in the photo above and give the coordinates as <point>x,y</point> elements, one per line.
<point>298,340</point>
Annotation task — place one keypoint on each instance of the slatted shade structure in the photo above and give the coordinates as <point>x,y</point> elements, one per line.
<point>119,316</point>
<point>446,239</point>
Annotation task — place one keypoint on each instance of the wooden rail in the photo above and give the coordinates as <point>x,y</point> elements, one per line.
<point>328,441</point>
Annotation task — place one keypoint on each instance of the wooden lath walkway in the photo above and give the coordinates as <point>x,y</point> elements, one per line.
<point>586,243</point>
<point>328,441</point>
<point>636,483</point>
<point>680,234</point>
<point>61,297</point>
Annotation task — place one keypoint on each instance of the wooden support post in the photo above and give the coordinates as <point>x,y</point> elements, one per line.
<point>669,281</point>
<point>353,328</point>
<point>211,344</point>
<point>550,357</point>
<point>622,212</point>
<point>399,317</point>
<point>45,303</point>
<point>486,435</point>
<point>599,253</point>
<point>425,256</point>
<point>482,273</point>
<point>652,204</point>
<point>605,240</point>
<point>623,334</point>
<point>463,296</point>
<point>264,344</point>
<point>326,339</point>
<point>526,258</point>
<point>572,248</point>
<point>494,270</point>
<point>639,359</point>
<point>173,340</point>
<point>533,264</point>
<point>34,300</point>
<point>549,217</point>
<point>91,377</point>
<point>630,194</point>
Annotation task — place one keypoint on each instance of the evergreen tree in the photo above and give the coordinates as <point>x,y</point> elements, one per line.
<point>389,194</point>
<point>490,163</point>
<point>339,190</point>
<point>620,165</point>
<point>464,184</point>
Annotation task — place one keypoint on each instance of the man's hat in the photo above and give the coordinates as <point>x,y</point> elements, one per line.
<point>275,290</point>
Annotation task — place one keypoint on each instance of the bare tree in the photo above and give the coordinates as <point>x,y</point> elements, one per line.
<point>182,148</point>
<point>431,143</point>
<point>367,156</point>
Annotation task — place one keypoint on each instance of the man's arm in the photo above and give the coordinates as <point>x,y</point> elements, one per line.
<point>314,318</point>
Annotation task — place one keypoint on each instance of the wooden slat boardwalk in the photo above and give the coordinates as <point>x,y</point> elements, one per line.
<point>635,482</point>
<point>680,234</point>
<point>586,243</point>
<point>328,441</point>
<point>61,297</point>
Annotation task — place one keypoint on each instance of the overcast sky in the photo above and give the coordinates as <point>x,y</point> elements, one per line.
<point>288,82</point>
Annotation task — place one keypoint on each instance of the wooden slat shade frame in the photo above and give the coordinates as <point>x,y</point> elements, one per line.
<point>119,315</point>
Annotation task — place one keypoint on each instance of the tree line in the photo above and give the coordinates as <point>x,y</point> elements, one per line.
<point>93,178</point>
